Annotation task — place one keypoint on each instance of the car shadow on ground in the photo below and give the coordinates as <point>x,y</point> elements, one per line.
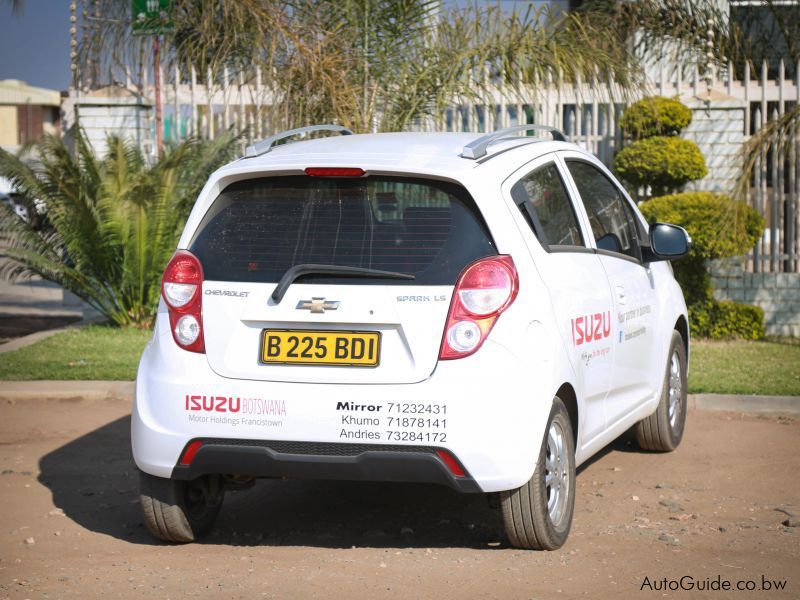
<point>624,443</point>
<point>94,480</point>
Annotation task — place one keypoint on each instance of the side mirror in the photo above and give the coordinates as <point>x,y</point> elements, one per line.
<point>667,242</point>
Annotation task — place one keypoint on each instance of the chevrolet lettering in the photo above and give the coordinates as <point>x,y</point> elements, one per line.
<point>484,312</point>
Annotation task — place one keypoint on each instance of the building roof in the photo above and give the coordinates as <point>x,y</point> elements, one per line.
<point>16,92</point>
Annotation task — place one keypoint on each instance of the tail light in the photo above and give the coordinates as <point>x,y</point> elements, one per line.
<point>334,172</point>
<point>484,290</point>
<point>181,288</point>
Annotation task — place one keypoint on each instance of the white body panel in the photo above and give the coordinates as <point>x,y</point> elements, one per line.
<point>495,402</point>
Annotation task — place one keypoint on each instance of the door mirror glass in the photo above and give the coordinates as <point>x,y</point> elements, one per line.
<point>668,241</point>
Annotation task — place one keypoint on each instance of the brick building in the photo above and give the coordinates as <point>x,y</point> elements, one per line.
<point>27,112</point>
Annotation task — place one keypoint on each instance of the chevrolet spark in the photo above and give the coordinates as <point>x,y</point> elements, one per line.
<point>483,313</point>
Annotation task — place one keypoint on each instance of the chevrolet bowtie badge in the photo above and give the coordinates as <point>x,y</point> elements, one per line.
<point>317,305</point>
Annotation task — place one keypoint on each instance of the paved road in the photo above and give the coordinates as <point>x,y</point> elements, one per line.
<point>35,305</point>
<point>70,524</point>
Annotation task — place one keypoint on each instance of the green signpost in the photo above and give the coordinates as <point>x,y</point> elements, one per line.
<point>150,17</point>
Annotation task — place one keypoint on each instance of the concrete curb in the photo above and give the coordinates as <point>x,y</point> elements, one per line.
<point>100,390</point>
<point>787,405</point>
<point>38,336</point>
<point>63,390</point>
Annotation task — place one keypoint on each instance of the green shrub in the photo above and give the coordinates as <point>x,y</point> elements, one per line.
<point>719,227</point>
<point>665,163</point>
<point>655,116</point>
<point>726,320</point>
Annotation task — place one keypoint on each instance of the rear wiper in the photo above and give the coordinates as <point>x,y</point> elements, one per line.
<point>308,269</point>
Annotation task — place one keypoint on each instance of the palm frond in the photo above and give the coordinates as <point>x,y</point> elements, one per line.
<point>777,136</point>
<point>113,223</point>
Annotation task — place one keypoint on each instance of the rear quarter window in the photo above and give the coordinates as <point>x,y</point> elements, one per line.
<point>257,229</point>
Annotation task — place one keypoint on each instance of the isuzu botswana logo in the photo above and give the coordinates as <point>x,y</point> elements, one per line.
<point>232,404</point>
<point>591,328</point>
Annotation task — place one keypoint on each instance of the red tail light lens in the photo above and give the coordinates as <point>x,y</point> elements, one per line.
<point>181,288</point>
<point>452,464</point>
<point>190,452</point>
<point>484,290</point>
<point>334,172</point>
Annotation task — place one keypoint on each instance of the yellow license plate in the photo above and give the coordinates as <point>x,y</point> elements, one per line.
<point>303,347</point>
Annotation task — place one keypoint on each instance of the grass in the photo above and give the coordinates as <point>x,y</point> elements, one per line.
<point>768,368</point>
<point>92,353</point>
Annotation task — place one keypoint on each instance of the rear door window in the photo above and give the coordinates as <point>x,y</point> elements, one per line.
<point>257,229</point>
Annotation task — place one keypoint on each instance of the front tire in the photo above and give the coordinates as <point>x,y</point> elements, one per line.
<point>663,430</point>
<point>538,515</point>
<point>180,511</point>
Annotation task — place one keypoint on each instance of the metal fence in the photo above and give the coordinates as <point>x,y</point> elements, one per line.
<point>587,111</point>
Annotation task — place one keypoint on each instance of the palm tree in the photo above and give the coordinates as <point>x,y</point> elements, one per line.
<point>374,64</point>
<point>112,222</point>
<point>781,136</point>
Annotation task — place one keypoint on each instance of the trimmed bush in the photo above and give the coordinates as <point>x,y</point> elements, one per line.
<point>655,116</point>
<point>719,227</point>
<point>665,163</point>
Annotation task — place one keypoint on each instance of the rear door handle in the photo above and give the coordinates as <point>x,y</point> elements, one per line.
<point>621,294</point>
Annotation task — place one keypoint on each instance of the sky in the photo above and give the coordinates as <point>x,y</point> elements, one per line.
<point>34,45</point>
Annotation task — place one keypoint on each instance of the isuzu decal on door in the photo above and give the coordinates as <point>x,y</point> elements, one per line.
<point>590,328</point>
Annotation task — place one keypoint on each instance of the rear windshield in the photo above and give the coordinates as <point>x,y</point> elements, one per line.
<point>259,228</point>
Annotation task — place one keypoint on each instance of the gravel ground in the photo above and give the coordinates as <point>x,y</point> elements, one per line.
<point>713,511</point>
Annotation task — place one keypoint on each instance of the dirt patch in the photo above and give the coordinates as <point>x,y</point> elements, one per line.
<point>70,524</point>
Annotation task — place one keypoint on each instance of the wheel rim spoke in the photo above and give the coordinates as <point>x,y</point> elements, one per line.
<point>675,391</point>
<point>556,478</point>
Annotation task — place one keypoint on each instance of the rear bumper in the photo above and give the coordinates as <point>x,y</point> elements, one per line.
<point>489,411</point>
<point>354,462</point>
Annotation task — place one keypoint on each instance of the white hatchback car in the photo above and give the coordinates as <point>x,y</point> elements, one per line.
<point>484,313</point>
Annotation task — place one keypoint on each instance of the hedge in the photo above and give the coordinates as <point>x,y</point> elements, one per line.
<point>719,227</point>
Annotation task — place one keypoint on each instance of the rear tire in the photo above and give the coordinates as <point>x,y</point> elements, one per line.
<point>180,511</point>
<point>663,430</point>
<point>538,515</point>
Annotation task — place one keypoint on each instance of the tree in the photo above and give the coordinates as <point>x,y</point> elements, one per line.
<point>374,64</point>
<point>113,222</point>
<point>657,159</point>
<point>680,31</point>
<point>778,135</point>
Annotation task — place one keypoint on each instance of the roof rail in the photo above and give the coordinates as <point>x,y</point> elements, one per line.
<point>477,148</point>
<point>266,144</point>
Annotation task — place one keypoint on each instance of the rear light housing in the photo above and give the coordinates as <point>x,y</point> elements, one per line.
<point>182,290</point>
<point>484,290</point>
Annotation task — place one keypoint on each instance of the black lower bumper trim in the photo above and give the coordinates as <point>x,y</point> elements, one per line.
<point>313,460</point>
